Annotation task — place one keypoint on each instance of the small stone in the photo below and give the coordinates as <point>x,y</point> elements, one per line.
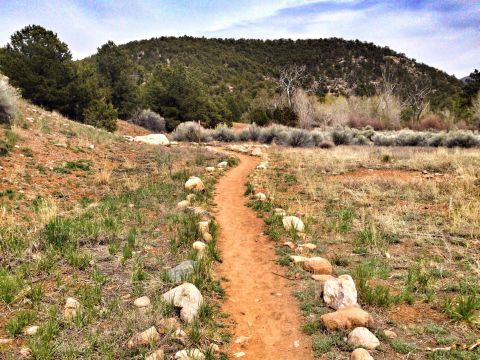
<point>293,222</point>
<point>146,337</point>
<point>25,352</point>
<point>204,226</point>
<point>190,354</point>
<point>210,169</point>
<point>200,247</point>
<point>347,318</point>
<point>31,330</point>
<point>296,344</point>
<point>207,237</point>
<point>280,212</point>
<point>289,244</point>
<point>362,337</point>
<point>360,354</point>
<point>309,246</point>
<point>181,271</point>
<point>215,348</point>
<point>156,355</point>
<point>188,298</point>
<point>318,265</point>
<point>340,293</point>
<point>71,309</point>
<point>183,204</point>
<point>390,334</point>
<point>222,165</point>
<point>194,184</point>
<point>142,302</point>
<point>191,198</point>
<point>239,354</point>
<point>261,196</point>
<point>242,339</point>
<point>6,341</point>
<point>262,166</point>
<point>297,259</point>
<point>257,152</point>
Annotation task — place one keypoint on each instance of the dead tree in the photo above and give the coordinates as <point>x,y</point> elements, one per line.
<point>290,80</point>
<point>418,96</point>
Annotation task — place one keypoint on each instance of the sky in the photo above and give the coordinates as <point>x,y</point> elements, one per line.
<point>441,33</point>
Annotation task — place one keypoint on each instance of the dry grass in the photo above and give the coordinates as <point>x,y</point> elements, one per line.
<point>409,219</point>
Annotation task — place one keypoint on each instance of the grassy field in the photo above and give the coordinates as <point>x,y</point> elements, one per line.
<point>404,222</point>
<point>85,214</point>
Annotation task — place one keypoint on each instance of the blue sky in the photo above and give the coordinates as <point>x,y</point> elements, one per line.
<point>441,33</point>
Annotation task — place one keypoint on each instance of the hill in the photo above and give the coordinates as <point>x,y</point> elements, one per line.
<point>244,66</point>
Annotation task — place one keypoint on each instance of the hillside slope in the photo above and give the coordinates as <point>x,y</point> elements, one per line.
<point>244,65</point>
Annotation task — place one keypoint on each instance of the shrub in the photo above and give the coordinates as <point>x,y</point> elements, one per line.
<point>360,140</point>
<point>431,122</point>
<point>223,133</point>
<point>8,101</point>
<point>101,114</point>
<point>410,138</point>
<point>190,131</point>
<point>341,136</point>
<point>271,134</point>
<point>383,139</point>
<point>462,139</point>
<point>251,133</point>
<point>297,138</point>
<point>326,144</point>
<point>150,120</point>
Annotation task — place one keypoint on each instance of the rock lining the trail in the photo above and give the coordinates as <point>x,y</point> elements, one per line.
<point>144,338</point>
<point>347,318</point>
<point>194,183</point>
<point>293,223</point>
<point>188,298</point>
<point>181,271</point>
<point>362,337</point>
<point>360,354</point>
<point>340,292</point>
<point>152,139</point>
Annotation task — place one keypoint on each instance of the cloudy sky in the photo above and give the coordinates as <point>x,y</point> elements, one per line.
<point>441,33</point>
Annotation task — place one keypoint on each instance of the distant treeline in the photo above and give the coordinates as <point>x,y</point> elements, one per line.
<point>223,80</point>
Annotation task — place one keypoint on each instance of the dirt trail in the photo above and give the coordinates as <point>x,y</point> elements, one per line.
<point>259,302</point>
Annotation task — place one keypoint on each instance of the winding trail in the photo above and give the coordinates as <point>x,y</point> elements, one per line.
<point>259,302</point>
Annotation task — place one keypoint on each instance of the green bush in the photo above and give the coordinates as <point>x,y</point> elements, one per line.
<point>298,138</point>
<point>102,115</point>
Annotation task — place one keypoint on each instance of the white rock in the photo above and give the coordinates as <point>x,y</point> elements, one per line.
<point>200,247</point>
<point>152,139</point>
<point>309,246</point>
<point>360,354</point>
<point>262,166</point>
<point>340,292</point>
<point>203,226</point>
<point>261,196</point>
<point>239,354</point>
<point>257,152</point>
<point>188,298</point>
<point>222,165</point>
<point>190,354</point>
<point>141,302</point>
<point>206,236</point>
<point>362,337</point>
<point>183,204</point>
<point>157,355</point>
<point>146,337</point>
<point>31,330</point>
<point>25,353</point>
<point>210,169</point>
<point>293,222</point>
<point>194,184</point>
<point>71,309</point>
<point>6,341</point>
<point>297,259</point>
<point>280,212</point>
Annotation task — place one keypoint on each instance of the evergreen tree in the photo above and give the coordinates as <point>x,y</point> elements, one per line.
<point>41,66</point>
<point>116,72</point>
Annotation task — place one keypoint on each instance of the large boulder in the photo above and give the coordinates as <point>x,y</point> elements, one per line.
<point>362,337</point>
<point>188,298</point>
<point>293,222</point>
<point>347,318</point>
<point>318,265</point>
<point>360,354</point>
<point>181,271</point>
<point>144,338</point>
<point>152,139</point>
<point>339,293</point>
<point>194,184</point>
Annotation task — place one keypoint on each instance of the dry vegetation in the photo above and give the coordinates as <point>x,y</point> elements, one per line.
<point>404,222</point>
<point>86,214</point>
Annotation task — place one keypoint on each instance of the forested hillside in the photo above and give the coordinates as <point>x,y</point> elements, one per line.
<point>306,83</point>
